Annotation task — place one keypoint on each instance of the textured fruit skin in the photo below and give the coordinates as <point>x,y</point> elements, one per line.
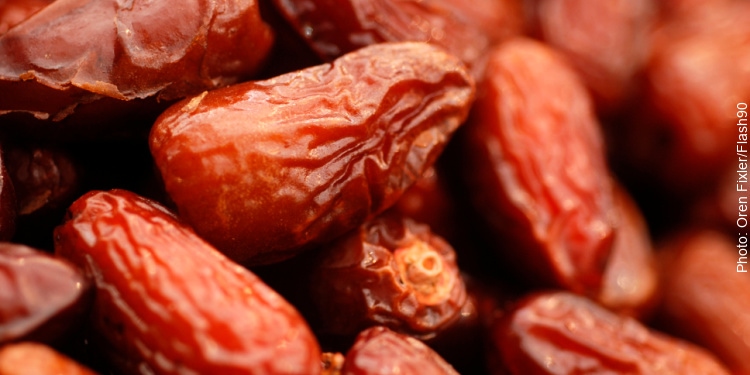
<point>563,333</point>
<point>263,169</point>
<point>13,12</point>
<point>73,52</point>
<point>335,27</point>
<point>537,168</point>
<point>30,358</point>
<point>380,351</point>
<point>704,299</point>
<point>168,302</point>
<point>393,272</point>
<point>41,294</point>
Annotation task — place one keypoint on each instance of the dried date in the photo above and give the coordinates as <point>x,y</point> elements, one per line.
<point>264,169</point>
<point>562,333</point>
<point>704,299</point>
<point>168,303</point>
<point>606,42</point>
<point>537,169</point>
<point>42,295</point>
<point>392,272</point>
<point>380,351</point>
<point>13,12</point>
<point>335,27</point>
<point>78,52</point>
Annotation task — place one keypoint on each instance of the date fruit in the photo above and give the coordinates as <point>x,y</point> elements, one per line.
<point>75,52</point>
<point>335,27</point>
<point>380,351</point>
<point>605,41</point>
<point>392,272</point>
<point>30,358</point>
<point>537,169</point>
<point>169,303</point>
<point>264,169</point>
<point>705,298</point>
<point>562,333</point>
<point>40,295</point>
<point>631,279</point>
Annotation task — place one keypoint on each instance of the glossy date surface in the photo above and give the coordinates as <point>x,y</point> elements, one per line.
<point>75,52</point>
<point>537,168</point>
<point>150,271</point>
<point>263,169</point>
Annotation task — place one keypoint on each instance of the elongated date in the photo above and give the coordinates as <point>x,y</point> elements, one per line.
<point>264,169</point>
<point>562,333</point>
<point>213,316</point>
<point>538,169</point>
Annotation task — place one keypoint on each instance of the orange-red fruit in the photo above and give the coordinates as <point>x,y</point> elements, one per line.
<point>264,169</point>
<point>168,303</point>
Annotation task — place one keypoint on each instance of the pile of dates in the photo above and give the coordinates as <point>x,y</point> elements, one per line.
<point>502,187</point>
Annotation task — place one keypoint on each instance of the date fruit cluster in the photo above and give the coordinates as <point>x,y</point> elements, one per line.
<point>372,187</point>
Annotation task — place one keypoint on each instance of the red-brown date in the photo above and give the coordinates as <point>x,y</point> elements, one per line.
<point>40,295</point>
<point>335,27</point>
<point>380,351</point>
<point>537,169</point>
<point>30,358</point>
<point>264,169</point>
<point>631,279</point>
<point>13,12</point>
<point>563,333</point>
<point>73,53</point>
<point>168,303</point>
<point>706,293</point>
<point>606,42</point>
<point>392,272</point>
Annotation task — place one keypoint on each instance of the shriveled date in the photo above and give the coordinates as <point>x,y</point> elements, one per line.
<point>262,169</point>
<point>562,333</point>
<point>75,52</point>
<point>169,303</point>
<point>40,295</point>
<point>380,351</point>
<point>538,170</point>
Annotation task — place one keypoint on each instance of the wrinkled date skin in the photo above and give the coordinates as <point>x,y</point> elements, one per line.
<point>631,279</point>
<point>392,271</point>
<point>538,172</point>
<point>30,358</point>
<point>335,27</point>
<point>380,351</point>
<point>606,42</point>
<point>704,299</point>
<point>13,12</point>
<point>169,303</point>
<point>75,52</point>
<point>264,169</point>
<point>562,333</point>
<point>41,294</point>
